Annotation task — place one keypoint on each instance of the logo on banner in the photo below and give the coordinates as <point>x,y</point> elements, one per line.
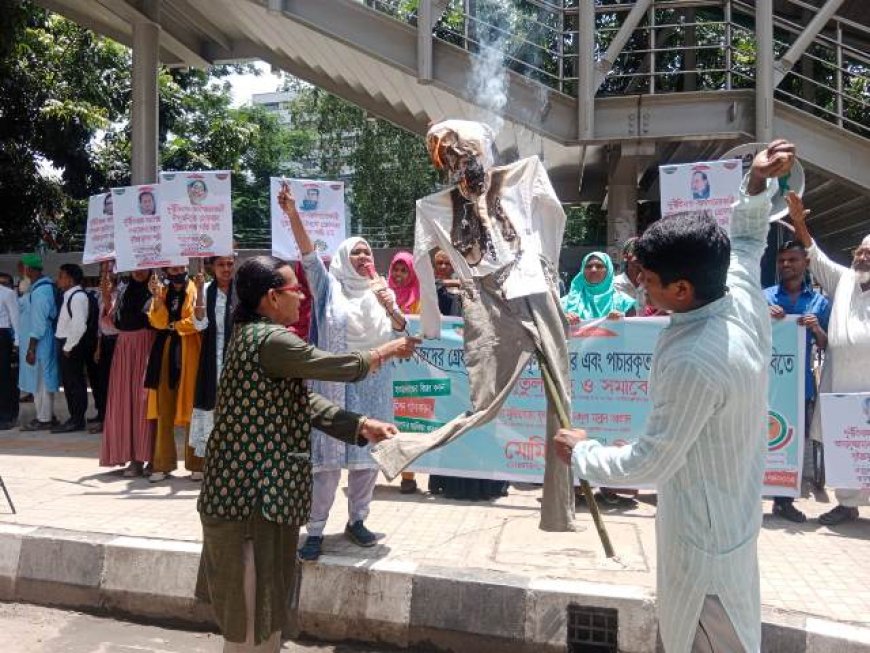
<point>779,433</point>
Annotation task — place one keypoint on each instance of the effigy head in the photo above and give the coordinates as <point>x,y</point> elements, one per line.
<point>464,148</point>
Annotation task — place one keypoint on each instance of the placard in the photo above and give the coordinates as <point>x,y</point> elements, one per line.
<point>197,214</point>
<point>100,230</point>
<point>846,434</point>
<point>321,208</point>
<point>713,186</point>
<point>138,230</point>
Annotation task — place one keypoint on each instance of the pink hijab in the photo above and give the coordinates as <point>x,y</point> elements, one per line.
<point>407,295</point>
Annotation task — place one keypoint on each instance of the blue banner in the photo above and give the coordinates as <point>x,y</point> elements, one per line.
<point>609,364</point>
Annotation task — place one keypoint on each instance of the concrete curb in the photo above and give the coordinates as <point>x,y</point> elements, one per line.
<point>383,601</point>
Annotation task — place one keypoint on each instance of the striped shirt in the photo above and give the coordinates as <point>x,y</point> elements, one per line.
<point>704,446</point>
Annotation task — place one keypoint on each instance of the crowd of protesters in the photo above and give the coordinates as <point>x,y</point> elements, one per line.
<point>312,340</point>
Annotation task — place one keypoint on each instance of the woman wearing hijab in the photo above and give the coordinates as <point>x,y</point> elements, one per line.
<point>257,487</point>
<point>128,436</point>
<point>351,312</point>
<point>403,281</point>
<point>592,294</point>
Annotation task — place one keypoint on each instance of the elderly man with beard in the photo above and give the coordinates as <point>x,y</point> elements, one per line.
<point>848,353</point>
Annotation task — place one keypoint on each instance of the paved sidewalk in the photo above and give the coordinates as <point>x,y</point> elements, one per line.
<point>806,569</point>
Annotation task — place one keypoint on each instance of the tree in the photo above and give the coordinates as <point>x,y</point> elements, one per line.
<point>386,168</point>
<point>59,85</point>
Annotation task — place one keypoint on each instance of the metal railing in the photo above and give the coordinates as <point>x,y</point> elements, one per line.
<point>678,46</point>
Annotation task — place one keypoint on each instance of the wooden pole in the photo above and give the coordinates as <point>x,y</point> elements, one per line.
<point>565,421</point>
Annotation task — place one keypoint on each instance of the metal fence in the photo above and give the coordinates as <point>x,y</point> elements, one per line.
<point>678,46</point>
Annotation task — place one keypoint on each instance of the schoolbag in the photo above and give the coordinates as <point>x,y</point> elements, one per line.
<point>92,330</point>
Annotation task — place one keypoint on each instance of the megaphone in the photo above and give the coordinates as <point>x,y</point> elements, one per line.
<point>794,180</point>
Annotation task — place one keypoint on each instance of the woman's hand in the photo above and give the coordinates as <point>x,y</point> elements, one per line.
<point>615,315</point>
<point>155,287</point>
<point>399,348</point>
<point>375,430</point>
<point>573,318</point>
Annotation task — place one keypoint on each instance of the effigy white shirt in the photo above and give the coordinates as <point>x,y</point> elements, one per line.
<point>534,210</point>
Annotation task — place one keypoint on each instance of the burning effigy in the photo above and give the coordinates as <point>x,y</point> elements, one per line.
<point>502,228</point>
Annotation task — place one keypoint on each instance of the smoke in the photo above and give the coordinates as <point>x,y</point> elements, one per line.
<point>496,32</point>
<point>488,82</point>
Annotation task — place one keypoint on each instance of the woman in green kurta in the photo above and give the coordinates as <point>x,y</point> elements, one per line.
<point>592,294</point>
<point>257,486</point>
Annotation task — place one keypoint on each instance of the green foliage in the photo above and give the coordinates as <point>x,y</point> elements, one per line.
<point>59,85</point>
<point>387,169</point>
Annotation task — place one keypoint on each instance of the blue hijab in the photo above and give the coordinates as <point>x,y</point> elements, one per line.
<point>589,301</point>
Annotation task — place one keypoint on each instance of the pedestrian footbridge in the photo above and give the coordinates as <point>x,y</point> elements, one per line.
<point>604,92</point>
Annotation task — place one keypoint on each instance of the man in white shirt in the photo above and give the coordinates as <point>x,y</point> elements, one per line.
<point>847,360</point>
<point>704,443</point>
<point>628,281</point>
<point>8,341</point>
<point>72,324</point>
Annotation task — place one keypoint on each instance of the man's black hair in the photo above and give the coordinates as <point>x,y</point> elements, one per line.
<point>792,245</point>
<point>690,246</point>
<point>6,280</point>
<point>74,272</point>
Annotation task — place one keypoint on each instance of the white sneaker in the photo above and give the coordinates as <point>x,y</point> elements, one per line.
<point>156,477</point>
<point>195,476</point>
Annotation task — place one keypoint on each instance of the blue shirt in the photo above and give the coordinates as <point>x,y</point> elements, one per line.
<point>807,302</point>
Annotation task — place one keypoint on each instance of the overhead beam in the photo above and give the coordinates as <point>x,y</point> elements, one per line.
<point>803,41</point>
<point>405,120</point>
<point>187,49</point>
<point>605,64</point>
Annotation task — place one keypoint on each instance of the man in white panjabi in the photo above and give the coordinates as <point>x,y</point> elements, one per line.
<point>502,228</point>
<point>847,361</point>
<point>704,441</point>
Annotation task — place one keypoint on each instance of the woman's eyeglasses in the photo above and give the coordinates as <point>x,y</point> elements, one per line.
<point>289,288</point>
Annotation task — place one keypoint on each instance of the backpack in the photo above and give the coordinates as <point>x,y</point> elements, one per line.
<point>92,330</point>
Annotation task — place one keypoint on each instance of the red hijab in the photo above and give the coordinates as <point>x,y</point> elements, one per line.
<point>408,294</point>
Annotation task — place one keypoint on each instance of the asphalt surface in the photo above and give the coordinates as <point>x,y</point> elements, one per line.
<point>35,629</point>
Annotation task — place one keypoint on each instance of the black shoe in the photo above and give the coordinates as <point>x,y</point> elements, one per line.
<point>95,420</point>
<point>69,427</point>
<point>360,535</point>
<point>5,426</point>
<point>788,511</point>
<point>838,515</point>
<point>310,551</point>
<point>36,425</point>
<point>408,486</point>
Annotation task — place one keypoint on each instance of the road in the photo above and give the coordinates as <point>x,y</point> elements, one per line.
<point>35,629</point>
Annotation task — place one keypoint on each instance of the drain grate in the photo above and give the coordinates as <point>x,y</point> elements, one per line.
<point>592,629</point>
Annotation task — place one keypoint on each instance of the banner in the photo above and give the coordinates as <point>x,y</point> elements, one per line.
<point>846,434</point>
<point>100,230</point>
<point>712,186</point>
<point>609,364</point>
<point>321,208</point>
<point>138,231</point>
<point>197,213</point>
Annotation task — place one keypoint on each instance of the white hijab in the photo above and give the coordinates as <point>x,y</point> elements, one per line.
<point>368,324</point>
